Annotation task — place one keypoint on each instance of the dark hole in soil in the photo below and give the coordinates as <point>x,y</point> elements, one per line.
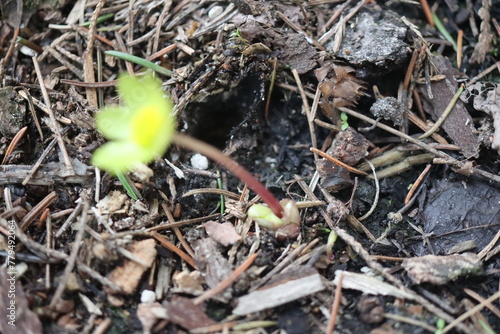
<point>225,110</point>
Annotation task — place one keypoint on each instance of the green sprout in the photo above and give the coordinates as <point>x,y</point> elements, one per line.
<point>285,227</point>
<point>343,120</point>
<point>237,34</point>
<point>139,131</point>
<point>440,325</point>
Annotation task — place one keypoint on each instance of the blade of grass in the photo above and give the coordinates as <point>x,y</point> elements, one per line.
<point>139,61</point>
<point>440,27</point>
<point>129,187</point>
<point>100,19</point>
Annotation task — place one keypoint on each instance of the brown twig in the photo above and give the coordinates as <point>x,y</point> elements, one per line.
<point>38,209</point>
<point>163,51</point>
<point>335,306</point>
<point>55,126</point>
<point>460,39</point>
<point>411,67</point>
<point>99,37</point>
<point>480,299</point>
<point>427,12</point>
<point>159,25</point>
<point>38,163</point>
<point>9,53</point>
<point>13,144</point>
<point>104,84</point>
<point>88,59</point>
<point>470,312</point>
<point>173,248</point>
<point>337,162</point>
<point>305,103</point>
<point>226,282</point>
<point>72,257</point>
<point>416,184</point>
<point>177,231</point>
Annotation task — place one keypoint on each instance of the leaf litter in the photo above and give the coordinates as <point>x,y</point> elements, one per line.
<point>220,56</point>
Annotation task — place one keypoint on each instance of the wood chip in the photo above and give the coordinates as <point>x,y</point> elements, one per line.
<point>289,288</point>
<point>369,285</point>
<point>442,269</point>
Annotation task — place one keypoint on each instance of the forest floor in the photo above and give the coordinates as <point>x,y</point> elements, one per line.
<point>336,105</point>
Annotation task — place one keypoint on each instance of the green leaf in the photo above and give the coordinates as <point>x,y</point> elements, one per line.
<point>139,61</point>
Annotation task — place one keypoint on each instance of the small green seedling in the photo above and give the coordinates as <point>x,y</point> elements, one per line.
<point>286,227</point>
<point>440,325</point>
<point>332,238</point>
<point>139,131</point>
<point>343,120</point>
<point>237,35</point>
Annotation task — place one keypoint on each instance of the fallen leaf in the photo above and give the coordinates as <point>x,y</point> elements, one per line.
<point>129,274</point>
<point>184,312</point>
<point>189,282</point>
<point>112,202</point>
<point>225,233</point>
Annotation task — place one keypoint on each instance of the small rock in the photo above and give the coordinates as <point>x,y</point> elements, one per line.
<point>148,296</point>
<point>374,40</point>
<point>389,109</point>
<point>199,161</point>
<point>349,147</point>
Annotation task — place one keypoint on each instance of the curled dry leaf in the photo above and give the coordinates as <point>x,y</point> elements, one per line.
<point>339,86</point>
<point>485,97</point>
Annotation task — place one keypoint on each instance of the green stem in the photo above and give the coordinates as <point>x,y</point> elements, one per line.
<point>236,169</point>
<point>139,61</point>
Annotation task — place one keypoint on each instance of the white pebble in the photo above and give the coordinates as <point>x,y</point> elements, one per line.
<point>199,161</point>
<point>214,12</point>
<point>148,296</point>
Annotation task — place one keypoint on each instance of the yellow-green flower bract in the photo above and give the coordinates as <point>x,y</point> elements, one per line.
<point>138,131</point>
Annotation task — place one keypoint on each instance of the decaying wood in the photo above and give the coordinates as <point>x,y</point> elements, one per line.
<point>48,175</point>
<point>283,289</point>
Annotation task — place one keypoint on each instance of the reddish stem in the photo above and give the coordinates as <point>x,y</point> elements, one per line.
<point>236,169</point>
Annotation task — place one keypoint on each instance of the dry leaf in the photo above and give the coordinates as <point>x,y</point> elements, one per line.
<point>129,274</point>
<point>182,311</point>
<point>112,202</point>
<point>189,282</point>
<point>225,233</point>
<point>338,86</point>
<point>149,314</point>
